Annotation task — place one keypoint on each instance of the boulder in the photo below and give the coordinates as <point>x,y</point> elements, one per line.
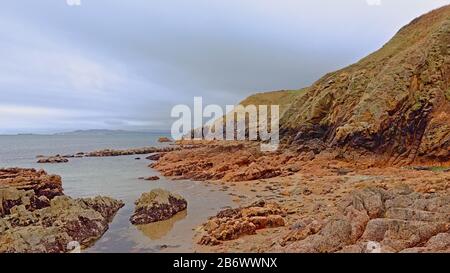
<point>436,244</point>
<point>157,205</point>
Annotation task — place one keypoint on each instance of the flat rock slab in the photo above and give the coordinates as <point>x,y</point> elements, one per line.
<point>377,220</point>
<point>53,159</point>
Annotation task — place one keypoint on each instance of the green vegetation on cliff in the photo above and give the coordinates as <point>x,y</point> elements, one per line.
<point>394,101</point>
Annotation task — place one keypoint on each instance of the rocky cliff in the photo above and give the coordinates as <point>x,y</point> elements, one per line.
<point>394,102</point>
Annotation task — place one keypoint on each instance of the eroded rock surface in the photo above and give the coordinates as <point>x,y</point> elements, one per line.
<point>50,229</point>
<point>395,101</point>
<point>37,217</point>
<point>229,161</point>
<point>374,219</point>
<point>230,224</point>
<point>157,205</point>
<point>29,187</point>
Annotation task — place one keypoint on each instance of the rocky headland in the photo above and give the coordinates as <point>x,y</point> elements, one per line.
<point>363,166</point>
<point>363,161</point>
<point>322,196</point>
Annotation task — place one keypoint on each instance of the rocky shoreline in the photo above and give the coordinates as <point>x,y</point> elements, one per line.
<point>105,153</point>
<point>37,217</point>
<point>291,200</point>
<point>325,202</point>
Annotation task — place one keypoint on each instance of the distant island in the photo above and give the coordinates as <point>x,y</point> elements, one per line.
<point>94,132</point>
<point>100,132</point>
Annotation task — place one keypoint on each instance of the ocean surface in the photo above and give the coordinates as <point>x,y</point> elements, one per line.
<point>117,177</point>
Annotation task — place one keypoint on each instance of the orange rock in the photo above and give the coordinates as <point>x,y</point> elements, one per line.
<point>230,224</point>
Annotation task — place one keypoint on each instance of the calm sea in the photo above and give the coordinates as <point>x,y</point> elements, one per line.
<point>118,177</point>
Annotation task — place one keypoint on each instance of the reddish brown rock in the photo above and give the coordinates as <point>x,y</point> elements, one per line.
<point>164,139</point>
<point>436,244</point>
<point>301,230</point>
<point>230,224</point>
<point>393,105</point>
<point>36,188</point>
<point>229,161</point>
<point>390,221</point>
<point>393,102</point>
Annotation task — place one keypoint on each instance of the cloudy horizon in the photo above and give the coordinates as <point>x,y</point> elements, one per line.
<point>110,64</point>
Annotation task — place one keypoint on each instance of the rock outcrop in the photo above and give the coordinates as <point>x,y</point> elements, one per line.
<point>53,159</point>
<point>151,178</point>
<point>394,102</point>
<point>230,224</point>
<point>35,216</point>
<point>229,161</point>
<point>137,151</point>
<point>43,186</point>
<point>53,227</point>
<point>155,156</point>
<point>105,153</point>
<point>376,220</point>
<point>157,205</point>
<point>389,109</point>
<point>164,139</point>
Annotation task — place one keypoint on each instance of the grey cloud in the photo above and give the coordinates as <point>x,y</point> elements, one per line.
<point>131,61</point>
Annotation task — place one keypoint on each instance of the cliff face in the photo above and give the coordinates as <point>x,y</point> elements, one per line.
<point>394,102</point>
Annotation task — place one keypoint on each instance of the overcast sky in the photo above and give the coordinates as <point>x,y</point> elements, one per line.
<point>116,64</point>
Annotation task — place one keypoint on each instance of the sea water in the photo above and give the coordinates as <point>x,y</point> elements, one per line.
<point>117,177</point>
